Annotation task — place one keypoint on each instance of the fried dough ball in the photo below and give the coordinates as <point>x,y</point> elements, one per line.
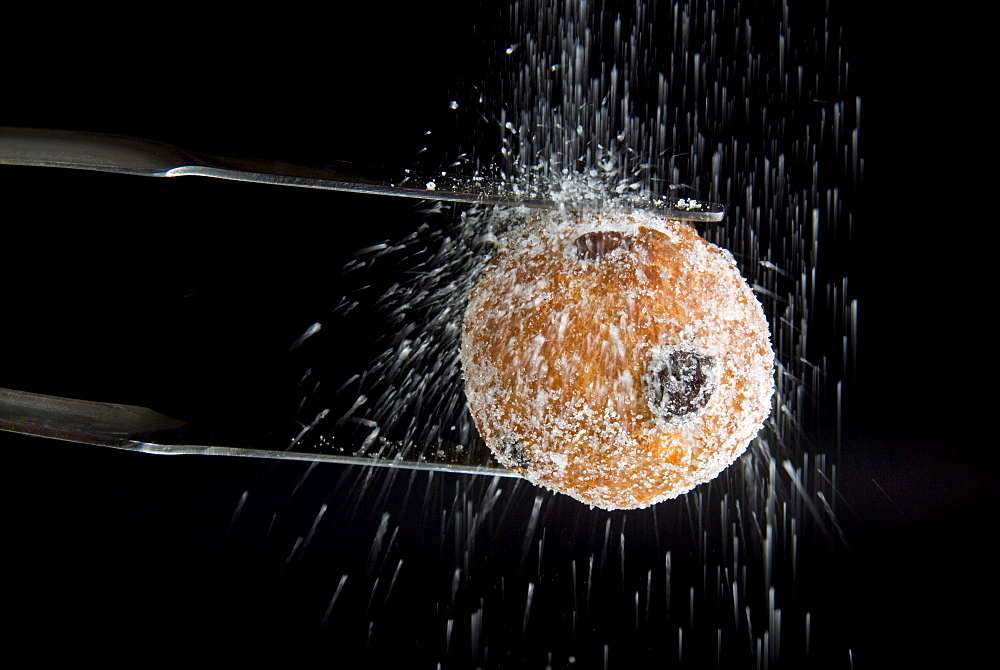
<point>619,359</point>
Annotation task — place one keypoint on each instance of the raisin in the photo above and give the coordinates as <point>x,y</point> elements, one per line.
<point>681,383</point>
<point>595,246</point>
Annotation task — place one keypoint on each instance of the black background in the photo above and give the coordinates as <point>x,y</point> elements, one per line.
<point>103,549</point>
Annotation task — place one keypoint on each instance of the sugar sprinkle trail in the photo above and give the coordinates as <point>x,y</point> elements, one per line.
<point>750,104</point>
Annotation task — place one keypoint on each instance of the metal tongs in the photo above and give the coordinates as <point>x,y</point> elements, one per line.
<point>141,429</point>
<point>129,155</point>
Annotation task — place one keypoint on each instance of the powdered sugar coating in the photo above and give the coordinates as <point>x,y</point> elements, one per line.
<point>561,350</point>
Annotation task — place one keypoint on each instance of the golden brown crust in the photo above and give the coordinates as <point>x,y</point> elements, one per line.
<point>620,360</point>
